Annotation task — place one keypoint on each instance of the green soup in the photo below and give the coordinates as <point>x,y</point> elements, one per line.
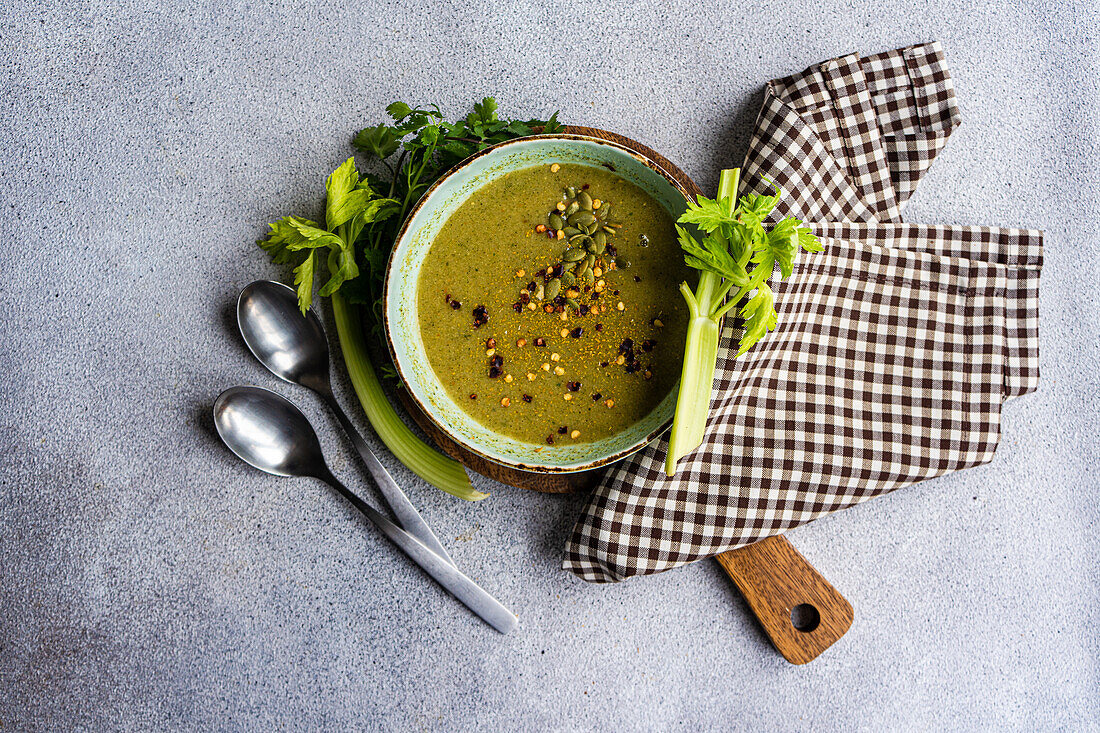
<point>576,365</point>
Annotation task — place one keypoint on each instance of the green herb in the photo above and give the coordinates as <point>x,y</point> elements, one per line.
<point>351,205</point>
<point>363,215</point>
<point>736,250</point>
<point>428,147</point>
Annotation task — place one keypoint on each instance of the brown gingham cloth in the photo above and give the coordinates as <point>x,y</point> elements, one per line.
<point>895,349</point>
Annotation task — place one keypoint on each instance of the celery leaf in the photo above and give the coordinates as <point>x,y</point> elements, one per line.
<point>760,317</point>
<point>303,282</point>
<point>711,254</point>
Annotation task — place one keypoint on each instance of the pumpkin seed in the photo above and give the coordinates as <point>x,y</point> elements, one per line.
<point>573,304</point>
<point>568,279</point>
<point>578,268</point>
<point>600,238</point>
<point>553,288</point>
<point>588,277</point>
<point>577,239</point>
<point>572,255</point>
<point>583,272</point>
<point>584,200</point>
<point>571,231</point>
<point>605,210</point>
<point>572,209</point>
<point>599,248</point>
<point>609,230</point>
<point>570,193</point>
<point>556,222</point>
<point>583,218</point>
<point>590,261</point>
<point>591,228</point>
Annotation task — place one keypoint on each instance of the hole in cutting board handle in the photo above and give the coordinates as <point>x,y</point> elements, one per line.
<point>805,617</point>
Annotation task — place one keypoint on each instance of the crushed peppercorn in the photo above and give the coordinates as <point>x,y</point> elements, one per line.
<point>481,316</point>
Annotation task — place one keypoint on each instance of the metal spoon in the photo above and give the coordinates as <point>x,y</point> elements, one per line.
<point>268,432</point>
<point>294,348</point>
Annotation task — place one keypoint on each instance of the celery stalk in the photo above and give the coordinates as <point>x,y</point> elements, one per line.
<point>423,460</point>
<point>700,351</point>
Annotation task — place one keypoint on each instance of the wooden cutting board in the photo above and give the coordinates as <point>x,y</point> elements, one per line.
<point>801,612</point>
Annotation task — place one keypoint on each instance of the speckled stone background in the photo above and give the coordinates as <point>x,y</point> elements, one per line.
<point>148,580</point>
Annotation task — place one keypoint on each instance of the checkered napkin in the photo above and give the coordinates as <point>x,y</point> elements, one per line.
<point>895,349</point>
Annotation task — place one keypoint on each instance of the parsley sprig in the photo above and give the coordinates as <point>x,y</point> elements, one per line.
<point>364,215</point>
<point>428,147</point>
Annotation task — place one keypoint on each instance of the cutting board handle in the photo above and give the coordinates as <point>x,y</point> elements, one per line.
<point>801,612</point>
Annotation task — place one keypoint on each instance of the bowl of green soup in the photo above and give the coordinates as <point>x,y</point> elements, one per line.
<point>531,302</point>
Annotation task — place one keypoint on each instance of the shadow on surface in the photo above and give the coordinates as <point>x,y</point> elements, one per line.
<point>736,615</point>
<point>731,144</point>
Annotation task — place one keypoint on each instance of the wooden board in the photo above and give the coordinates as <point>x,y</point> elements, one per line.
<point>801,612</point>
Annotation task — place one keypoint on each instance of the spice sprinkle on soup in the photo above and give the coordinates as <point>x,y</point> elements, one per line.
<point>548,304</point>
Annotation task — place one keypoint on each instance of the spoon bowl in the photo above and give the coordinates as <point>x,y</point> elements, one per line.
<point>292,345</point>
<point>267,432</point>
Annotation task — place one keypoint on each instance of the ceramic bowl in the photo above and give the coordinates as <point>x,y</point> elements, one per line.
<point>403,272</point>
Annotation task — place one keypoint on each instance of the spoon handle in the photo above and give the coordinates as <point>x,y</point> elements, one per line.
<point>476,598</point>
<point>406,513</point>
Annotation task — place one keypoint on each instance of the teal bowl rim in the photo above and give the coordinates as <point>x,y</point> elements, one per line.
<point>403,233</point>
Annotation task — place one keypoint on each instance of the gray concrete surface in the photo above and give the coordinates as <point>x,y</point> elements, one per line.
<point>150,581</point>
